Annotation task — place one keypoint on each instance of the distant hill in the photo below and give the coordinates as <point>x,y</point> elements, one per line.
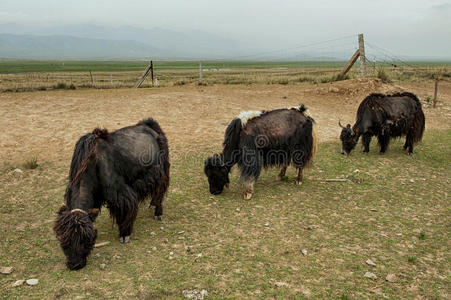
<point>68,47</point>
<point>94,41</point>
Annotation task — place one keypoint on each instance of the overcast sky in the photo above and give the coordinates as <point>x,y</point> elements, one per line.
<point>404,27</point>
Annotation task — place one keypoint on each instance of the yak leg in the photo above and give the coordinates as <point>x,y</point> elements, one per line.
<point>383,142</point>
<point>125,210</point>
<point>248,188</point>
<point>282,173</point>
<point>300,175</point>
<point>409,143</point>
<point>366,139</point>
<point>125,224</point>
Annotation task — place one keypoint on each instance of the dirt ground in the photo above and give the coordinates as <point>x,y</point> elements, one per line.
<point>47,124</point>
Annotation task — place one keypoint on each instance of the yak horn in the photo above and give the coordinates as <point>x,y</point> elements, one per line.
<point>339,123</point>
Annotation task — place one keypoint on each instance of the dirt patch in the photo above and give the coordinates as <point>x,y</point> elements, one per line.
<point>48,124</point>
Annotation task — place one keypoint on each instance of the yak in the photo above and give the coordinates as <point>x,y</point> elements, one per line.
<point>386,117</point>
<point>119,170</point>
<point>261,139</point>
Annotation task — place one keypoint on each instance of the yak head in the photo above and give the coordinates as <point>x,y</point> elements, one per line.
<point>76,234</point>
<point>217,173</point>
<point>348,139</point>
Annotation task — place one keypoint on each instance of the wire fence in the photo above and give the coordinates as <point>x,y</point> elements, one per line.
<point>317,62</point>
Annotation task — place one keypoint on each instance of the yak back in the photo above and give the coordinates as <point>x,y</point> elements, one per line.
<point>376,109</point>
<point>278,124</point>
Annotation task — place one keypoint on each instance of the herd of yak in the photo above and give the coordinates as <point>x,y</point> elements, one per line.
<point>120,169</point>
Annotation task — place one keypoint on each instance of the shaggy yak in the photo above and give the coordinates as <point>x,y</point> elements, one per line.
<point>263,139</point>
<point>119,170</point>
<point>385,116</point>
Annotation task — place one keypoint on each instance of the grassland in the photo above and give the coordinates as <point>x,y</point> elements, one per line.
<point>19,76</point>
<point>394,210</point>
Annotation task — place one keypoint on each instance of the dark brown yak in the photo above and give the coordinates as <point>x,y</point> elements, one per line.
<point>257,140</point>
<point>386,117</point>
<point>119,170</point>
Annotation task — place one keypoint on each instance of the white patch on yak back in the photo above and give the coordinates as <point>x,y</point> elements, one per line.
<point>245,116</point>
<point>306,112</point>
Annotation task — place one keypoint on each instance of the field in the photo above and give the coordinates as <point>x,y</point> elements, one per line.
<point>394,209</point>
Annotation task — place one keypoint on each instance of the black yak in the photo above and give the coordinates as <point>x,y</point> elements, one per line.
<point>263,139</point>
<point>119,170</point>
<point>385,116</point>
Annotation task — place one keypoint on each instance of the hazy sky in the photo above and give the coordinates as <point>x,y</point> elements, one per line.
<point>404,27</point>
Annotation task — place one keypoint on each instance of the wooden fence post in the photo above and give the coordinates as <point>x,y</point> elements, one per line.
<point>144,75</point>
<point>362,56</point>
<point>151,71</point>
<point>92,78</point>
<point>200,71</point>
<point>435,92</point>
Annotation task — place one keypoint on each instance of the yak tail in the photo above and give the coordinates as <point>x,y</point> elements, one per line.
<point>418,125</point>
<point>85,149</point>
<point>418,119</point>
<point>163,159</point>
<point>314,146</point>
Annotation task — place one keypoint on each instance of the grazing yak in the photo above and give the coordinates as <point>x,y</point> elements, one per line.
<point>385,116</point>
<point>119,170</point>
<point>263,139</point>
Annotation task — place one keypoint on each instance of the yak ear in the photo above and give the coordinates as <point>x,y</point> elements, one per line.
<point>62,209</point>
<point>93,213</point>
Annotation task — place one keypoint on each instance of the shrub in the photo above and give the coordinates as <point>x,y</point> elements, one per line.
<point>60,85</point>
<point>382,75</point>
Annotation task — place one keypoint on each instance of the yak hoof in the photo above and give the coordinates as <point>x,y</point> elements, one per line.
<point>410,153</point>
<point>124,239</point>
<point>158,218</point>
<point>247,196</point>
<point>298,182</point>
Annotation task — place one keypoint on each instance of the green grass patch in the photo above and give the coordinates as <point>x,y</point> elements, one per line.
<point>250,249</point>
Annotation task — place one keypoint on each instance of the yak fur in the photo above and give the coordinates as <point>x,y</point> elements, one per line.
<point>119,170</point>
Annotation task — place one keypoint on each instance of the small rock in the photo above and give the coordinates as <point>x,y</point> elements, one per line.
<point>199,255</point>
<point>391,278</point>
<point>181,238</point>
<point>6,270</point>
<point>304,252</point>
<point>311,227</point>
<point>32,281</point>
<point>356,171</point>
<point>194,294</point>
<point>373,209</point>
<point>280,284</point>
<point>18,171</point>
<point>154,248</point>
<point>171,253</point>
<point>212,198</point>
<point>412,181</point>
<point>266,224</point>
<point>18,283</point>
<point>399,234</point>
<point>181,232</point>
<point>102,266</point>
<point>370,275</point>
<point>369,262</point>
<point>238,209</point>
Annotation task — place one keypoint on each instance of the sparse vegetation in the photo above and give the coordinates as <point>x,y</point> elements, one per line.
<point>31,163</point>
<point>382,75</point>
